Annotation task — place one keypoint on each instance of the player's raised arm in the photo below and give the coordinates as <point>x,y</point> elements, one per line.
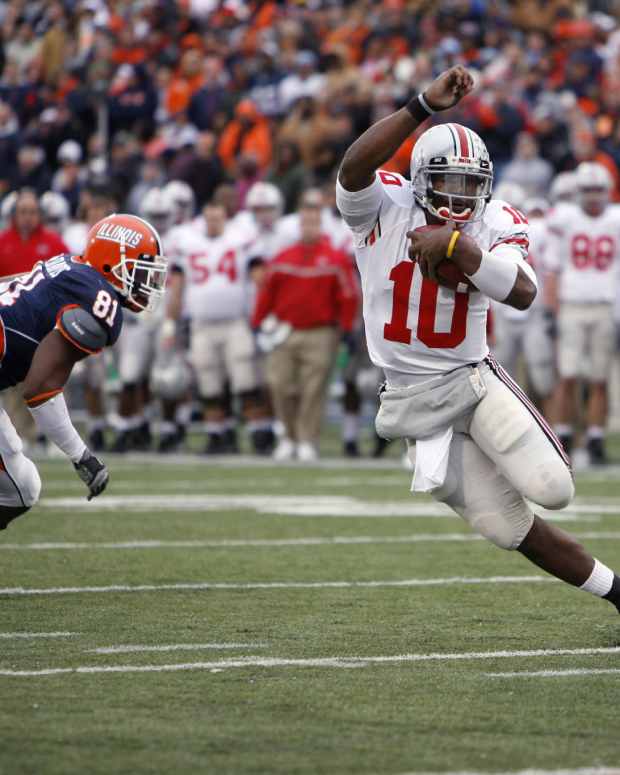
<point>381,141</point>
<point>49,371</point>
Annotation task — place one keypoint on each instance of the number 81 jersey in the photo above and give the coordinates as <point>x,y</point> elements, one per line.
<point>414,326</point>
<point>32,305</point>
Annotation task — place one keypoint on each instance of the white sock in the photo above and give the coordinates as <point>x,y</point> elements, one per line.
<point>600,580</point>
<point>350,427</point>
<point>596,432</point>
<point>562,429</point>
<point>215,426</point>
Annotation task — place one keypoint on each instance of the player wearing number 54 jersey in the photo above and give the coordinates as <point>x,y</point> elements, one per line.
<point>67,308</point>
<point>431,253</point>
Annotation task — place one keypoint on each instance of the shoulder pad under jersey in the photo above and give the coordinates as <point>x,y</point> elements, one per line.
<point>81,329</point>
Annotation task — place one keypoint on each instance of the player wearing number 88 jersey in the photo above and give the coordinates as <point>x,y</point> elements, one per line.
<point>583,255</point>
<point>431,253</point>
<point>67,308</point>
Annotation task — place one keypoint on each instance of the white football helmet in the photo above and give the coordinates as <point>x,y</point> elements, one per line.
<point>451,173</point>
<point>158,208</point>
<point>55,210</point>
<point>594,186</point>
<point>563,188</point>
<point>512,193</point>
<point>171,376</point>
<point>183,200</point>
<point>266,203</point>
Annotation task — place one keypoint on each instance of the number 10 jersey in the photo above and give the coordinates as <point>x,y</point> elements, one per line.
<point>413,326</point>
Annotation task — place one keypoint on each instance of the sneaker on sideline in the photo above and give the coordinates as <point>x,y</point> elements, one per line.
<point>285,449</point>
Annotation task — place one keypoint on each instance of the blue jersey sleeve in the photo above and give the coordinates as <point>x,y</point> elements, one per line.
<point>82,286</point>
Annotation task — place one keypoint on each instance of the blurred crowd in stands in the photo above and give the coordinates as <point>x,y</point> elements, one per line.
<point>105,101</point>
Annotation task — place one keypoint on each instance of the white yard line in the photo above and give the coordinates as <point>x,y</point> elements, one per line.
<point>580,771</point>
<point>32,635</point>
<point>557,673</point>
<point>278,542</point>
<point>224,585</point>
<point>335,661</point>
<point>296,506</point>
<point>176,647</point>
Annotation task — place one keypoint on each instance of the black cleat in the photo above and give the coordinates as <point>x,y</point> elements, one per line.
<point>169,442</point>
<point>96,440</point>
<point>351,449</point>
<point>596,452</point>
<point>123,442</point>
<point>380,446</point>
<point>231,445</point>
<point>142,438</point>
<point>263,441</point>
<point>215,444</point>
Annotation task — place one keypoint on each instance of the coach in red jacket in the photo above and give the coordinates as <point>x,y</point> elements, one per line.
<point>26,241</point>
<point>311,287</point>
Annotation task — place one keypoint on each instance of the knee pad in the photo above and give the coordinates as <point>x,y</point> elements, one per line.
<point>551,485</point>
<point>20,483</point>
<point>506,531</point>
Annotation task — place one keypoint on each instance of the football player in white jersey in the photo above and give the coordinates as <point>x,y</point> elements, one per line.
<point>481,446</point>
<point>210,284</point>
<point>137,350</point>
<point>583,256</point>
<point>271,233</point>
<point>527,332</point>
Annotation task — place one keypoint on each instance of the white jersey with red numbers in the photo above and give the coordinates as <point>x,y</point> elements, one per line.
<point>216,277</point>
<point>536,259</point>
<point>585,251</point>
<point>414,326</point>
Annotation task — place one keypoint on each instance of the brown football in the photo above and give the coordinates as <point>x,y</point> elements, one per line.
<point>450,276</point>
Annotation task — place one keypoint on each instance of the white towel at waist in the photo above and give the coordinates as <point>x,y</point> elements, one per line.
<point>431,461</point>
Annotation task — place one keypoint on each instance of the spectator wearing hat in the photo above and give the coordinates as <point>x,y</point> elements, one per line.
<point>69,179</point>
<point>247,134</point>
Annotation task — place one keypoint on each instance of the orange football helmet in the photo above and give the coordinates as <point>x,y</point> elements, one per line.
<point>127,251</point>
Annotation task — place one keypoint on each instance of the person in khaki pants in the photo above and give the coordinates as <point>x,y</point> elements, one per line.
<point>309,289</point>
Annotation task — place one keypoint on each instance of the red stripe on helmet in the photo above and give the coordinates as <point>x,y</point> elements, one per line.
<point>463,142</point>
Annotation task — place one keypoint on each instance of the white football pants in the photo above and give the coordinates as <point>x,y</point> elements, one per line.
<point>503,454</point>
<point>20,483</point>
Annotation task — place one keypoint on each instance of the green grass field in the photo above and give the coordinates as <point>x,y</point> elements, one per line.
<point>249,619</point>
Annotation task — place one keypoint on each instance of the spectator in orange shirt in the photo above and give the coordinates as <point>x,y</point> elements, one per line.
<point>248,134</point>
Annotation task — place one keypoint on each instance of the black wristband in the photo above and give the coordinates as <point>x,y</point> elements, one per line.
<point>419,108</point>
